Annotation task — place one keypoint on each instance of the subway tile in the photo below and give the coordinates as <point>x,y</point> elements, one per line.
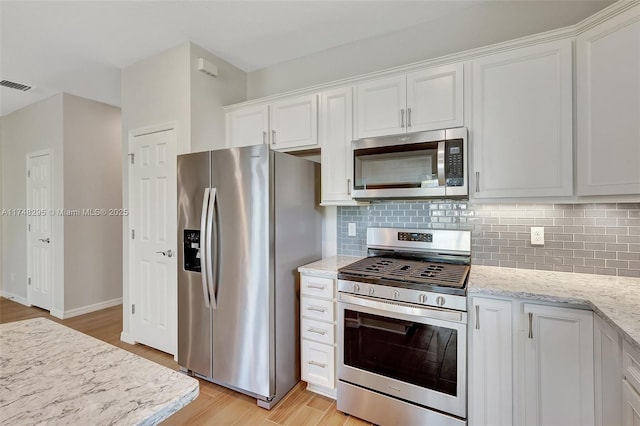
<point>517,243</point>
<point>594,263</point>
<point>618,231</point>
<point>574,261</point>
<point>628,256</point>
<point>594,246</point>
<point>539,251</point>
<point>553,260</point>
<point>629,206</point>
<point>618,213</point>
<point>629,273</point>
<point>605,255</point>
<point>634,265</point>
<point>525,265</point>
<point>562,221</point>
<point>562,252</point>
<point>607,222</point>
<point>573,213</point>
<point>617,247</point>
<point>526,250</point>
<point>595,213</point>
<point>584,253</point>
<point>628,222</point>
<point>534,259</point>
<point>508,264</point>
<point>573,229</point>
<point>563,268</point>
<point>553,244</point>
<point>606,239</point>
<point>588,221</point>
<point>563,237</point>
<point>517,228</point>
<point>624,264</point>
<point>508,249</point>
<point>544,267</point>
<point>634,248</point>
<point>583,270</point>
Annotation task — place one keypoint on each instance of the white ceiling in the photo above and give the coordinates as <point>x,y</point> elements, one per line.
<point>80,46</point>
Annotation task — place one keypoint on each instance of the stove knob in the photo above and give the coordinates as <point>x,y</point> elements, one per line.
<point>440,300</point>
<point>356,288</point>
<point>422,298</point>
<point>396,294</point>
<point>371,291</point>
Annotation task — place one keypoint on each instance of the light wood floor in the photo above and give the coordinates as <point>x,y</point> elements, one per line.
<point>215,405</point>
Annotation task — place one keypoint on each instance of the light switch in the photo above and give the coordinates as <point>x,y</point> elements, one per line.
<point>351,230</point>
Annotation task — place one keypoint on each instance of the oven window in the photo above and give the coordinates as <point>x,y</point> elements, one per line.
<point>423,355</point>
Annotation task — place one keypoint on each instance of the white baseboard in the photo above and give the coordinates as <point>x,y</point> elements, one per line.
<point>57,313</point>
<point>125,337</point>
<point>19,299</point>
<point>89,308</point>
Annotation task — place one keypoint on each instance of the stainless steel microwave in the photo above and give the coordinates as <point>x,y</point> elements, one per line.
<point>418,165</point>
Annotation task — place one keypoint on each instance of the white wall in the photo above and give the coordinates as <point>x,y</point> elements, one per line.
<point>477,26</point>
<point>92,180</point>
<point>209,95</point>
<point>33,128</point>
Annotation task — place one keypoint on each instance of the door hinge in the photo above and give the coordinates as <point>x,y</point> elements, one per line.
<point>132,156</point>
<point>29,280</point>
<point>133,308</point>
<point>133,234</point>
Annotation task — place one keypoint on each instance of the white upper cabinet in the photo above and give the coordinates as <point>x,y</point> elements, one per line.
<point>294,123</point>
<point>434,98</point>
<point>423,100</point>
<point>336,157</point>
<point>522,133</point>
<point>608,104</point>
<point>381,107</point>
<point>247,126</point>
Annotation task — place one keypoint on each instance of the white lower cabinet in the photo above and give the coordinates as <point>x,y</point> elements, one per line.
<point>318,333</point>
<point>558,366</point>
<point>530,364</point>
<point>607,352</point>
<point>491,378</point>
<point>630,385</point>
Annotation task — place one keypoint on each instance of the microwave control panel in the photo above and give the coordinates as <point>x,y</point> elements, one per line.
<point>454,163</point>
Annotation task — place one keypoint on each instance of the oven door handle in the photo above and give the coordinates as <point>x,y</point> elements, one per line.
<point>404,308</point>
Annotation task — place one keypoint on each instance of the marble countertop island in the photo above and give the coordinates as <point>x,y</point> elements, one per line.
<point>51,374</point>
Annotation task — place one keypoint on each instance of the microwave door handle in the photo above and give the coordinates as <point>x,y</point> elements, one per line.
<point>441,155</point>
<point>203,247</point>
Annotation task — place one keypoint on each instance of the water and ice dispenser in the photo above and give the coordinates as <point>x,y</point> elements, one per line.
<point>191,250</point>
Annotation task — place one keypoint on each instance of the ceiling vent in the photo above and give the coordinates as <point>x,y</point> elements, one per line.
<point>17,86</point>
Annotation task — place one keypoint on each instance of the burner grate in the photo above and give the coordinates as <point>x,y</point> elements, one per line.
<point>414,271</point>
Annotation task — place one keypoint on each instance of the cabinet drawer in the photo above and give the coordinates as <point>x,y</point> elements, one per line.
<point>319,331</point>
<point>317,286</point>
<point>318,364</point>
<point>631,365</point>
<point>317,309</point>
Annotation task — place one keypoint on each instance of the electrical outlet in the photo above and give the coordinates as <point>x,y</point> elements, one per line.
<point>537,235</point>
<point>351,231</point>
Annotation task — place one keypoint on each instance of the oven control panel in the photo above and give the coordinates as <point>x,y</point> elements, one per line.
<point>426,298</point>
<point>422,237</point>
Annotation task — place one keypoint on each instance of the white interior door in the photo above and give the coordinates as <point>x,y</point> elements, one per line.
<point>39,243</point>
<point>153,273</point>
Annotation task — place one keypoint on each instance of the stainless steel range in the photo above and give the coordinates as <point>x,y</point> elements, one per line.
<point>402,352</point>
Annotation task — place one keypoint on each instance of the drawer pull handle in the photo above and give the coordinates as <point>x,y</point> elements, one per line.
<point>316,330</point>
<point>316,309</point>
<point>530,325</point>
<point>477,317</point>
<point>316,287</point>
<point>317,364</point>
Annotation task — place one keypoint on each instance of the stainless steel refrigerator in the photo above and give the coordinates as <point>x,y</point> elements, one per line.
<point>247,218</point>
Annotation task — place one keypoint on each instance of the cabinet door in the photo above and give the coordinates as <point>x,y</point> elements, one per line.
<point>247,126</point>
<point>381,107</point>
<point>631,406</point>
<point>558,364</point>
<point>294,123</point>
<point>607,351</point>
<point>434,98</point>
<point>608,102</point>
<point>490,392</point>
<point>336,132</point>
<point>522,122</point>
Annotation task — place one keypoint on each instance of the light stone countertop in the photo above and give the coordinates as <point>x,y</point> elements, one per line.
<point>328,267</point>
<point>614,299</point>
<point>51,374</point>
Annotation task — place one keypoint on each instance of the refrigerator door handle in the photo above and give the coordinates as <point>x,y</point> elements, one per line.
<point>213,192</point>
<point>203,246</point>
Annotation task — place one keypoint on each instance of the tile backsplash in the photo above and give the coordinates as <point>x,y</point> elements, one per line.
<point>587,238</point>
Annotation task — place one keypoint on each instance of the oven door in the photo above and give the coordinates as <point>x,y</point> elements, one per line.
<point>406,351</point>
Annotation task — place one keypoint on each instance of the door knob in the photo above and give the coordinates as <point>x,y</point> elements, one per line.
<point>45,240</point>
<point>168,253</point>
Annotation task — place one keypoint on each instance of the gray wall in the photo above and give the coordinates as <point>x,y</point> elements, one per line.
<point>585,238</point>
<point>36,127</point>
<point>481,25</point>
<point>92,180</point>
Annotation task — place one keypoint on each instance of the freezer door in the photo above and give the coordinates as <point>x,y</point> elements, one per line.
<point>241,269</point>
<point>194,316</point>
